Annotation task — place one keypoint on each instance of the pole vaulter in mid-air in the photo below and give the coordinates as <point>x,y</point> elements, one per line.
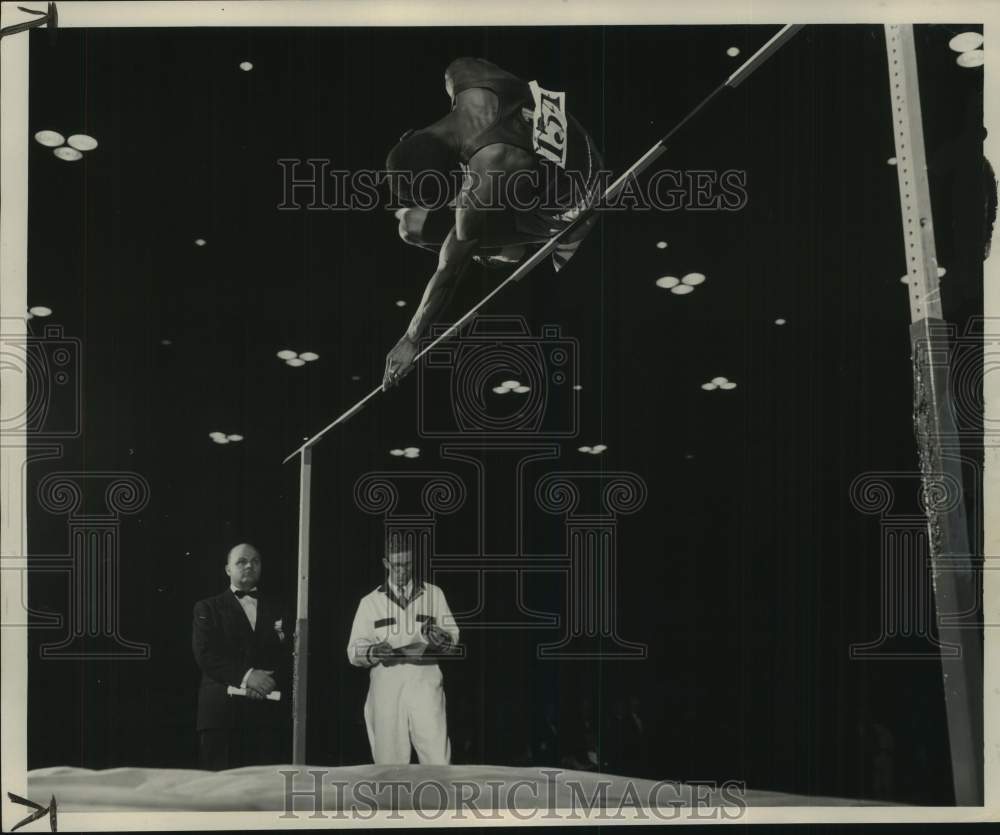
<point>500,128</point>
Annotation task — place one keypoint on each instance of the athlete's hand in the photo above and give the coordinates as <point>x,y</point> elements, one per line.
<point>399,362</point>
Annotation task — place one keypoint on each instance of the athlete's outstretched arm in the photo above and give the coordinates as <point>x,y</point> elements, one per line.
<point>456,252</point>
<point>454,257</point>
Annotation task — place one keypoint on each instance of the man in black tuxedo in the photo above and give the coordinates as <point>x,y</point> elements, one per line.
<point>239,641</point>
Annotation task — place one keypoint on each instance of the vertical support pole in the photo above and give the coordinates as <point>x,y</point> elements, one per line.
<point>13,411</point>
<point>300,669</point>
<point>936,434</point>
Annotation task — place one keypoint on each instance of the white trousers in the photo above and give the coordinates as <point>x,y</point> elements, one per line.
<point>406,705</point>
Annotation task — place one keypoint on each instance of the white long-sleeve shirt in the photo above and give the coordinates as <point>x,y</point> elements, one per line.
<point>381,618</point>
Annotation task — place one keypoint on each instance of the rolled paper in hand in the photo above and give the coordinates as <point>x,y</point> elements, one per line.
<point>274,695</point>
<point>416,649</point>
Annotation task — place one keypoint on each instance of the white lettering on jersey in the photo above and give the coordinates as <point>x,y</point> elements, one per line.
<point>550,126</point>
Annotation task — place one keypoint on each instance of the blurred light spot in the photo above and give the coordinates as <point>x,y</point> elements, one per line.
<point>500,389</point>
<point>709,386</point>
<point>166,342</point>
<point>411,454</point>
<point>667,282</point>
<point>246,66</point>
<point>222,440</point>
<point>400,303</point>
<point>966,41</point>
<point>295,363</point>
<point>286,354</point>
<point>411,450</point>
<point>216,435</point>
<point>720,380</point>
<point>30,316</point>
<point>905,279</point>
<point>68,154</point>
<point>521,389</point>
<point>941,271</point>
<point>891,160</point>
<point>973,58</point>
<point>396,452</point>
<point>682,290</point>
<point>235,438</point>
<point>355,377</point>
<point>584,449</point>
<point>733,51</point>
<point>40,311</point>
<point>693,279</point>
<point>578,388</point>
<point>82,142</point>
<point>309,356</point>
<point>728,386</point>
<point>510,384</point>
<point>199,241</point>
<point>661,244</point>
<point>598,449</point>
<point>49,138</point>
<point>779,321</point>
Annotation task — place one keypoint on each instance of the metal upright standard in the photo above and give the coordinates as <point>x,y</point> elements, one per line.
<point>952,573</point>
<point>300,668</point>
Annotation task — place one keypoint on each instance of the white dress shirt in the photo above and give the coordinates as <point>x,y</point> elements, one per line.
<point>249,606</point>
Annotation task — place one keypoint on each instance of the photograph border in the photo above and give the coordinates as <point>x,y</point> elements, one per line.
<point>14,85</point>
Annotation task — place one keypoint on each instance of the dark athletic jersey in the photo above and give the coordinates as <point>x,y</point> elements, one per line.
<point>513,126</point>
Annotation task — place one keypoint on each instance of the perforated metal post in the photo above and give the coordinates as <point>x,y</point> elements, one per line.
<point>300,668</point>
<point>955,589</point>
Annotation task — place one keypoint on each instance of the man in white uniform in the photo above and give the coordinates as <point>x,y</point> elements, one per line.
<point>400,630</point>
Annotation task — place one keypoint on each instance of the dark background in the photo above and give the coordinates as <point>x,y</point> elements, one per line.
<point>748,573</point>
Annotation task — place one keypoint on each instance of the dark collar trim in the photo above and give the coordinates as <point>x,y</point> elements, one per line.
<point>387,590</point>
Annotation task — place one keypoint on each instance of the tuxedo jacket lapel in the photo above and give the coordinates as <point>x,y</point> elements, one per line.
<point>263,616</point>
<point>236,613</point>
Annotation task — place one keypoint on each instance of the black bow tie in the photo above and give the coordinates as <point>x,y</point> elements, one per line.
<point>241,594</point>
